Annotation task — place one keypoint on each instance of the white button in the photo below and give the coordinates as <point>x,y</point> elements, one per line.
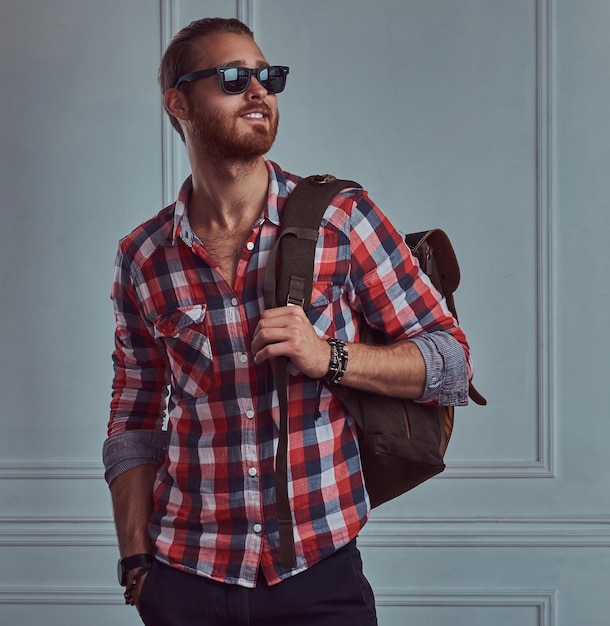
<point>243,358</point>
<point>257,528</point>
<point>252,471</point>
<point>250,245</point>
<point>234,301</point>
<point>250,414</point>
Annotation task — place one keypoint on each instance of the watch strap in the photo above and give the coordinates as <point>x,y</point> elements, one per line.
<point>137,560</point>
<point>133,562</point>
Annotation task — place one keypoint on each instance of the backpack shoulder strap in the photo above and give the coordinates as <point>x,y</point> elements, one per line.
<point>296,244</point>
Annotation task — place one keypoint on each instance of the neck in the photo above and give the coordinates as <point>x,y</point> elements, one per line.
<point>226,194</point>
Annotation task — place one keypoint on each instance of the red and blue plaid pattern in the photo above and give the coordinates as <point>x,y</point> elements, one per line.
<point>179,323</point>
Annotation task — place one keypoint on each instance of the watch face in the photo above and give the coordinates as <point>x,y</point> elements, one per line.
<point>121,573</point>
<point>137,561</point>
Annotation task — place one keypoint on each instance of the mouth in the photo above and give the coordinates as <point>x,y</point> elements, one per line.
<point>257,114</point>
<point>254,116</point>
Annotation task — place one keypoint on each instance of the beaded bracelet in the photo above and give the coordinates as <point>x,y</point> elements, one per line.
<point>338,361</point>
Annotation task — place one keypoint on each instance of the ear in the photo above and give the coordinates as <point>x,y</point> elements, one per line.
<point>176,103</point>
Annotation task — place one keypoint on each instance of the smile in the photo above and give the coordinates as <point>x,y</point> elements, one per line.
<point>254,116</point>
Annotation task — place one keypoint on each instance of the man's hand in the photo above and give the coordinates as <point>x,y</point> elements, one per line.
<point>135,593</point>
<point>286,331</point>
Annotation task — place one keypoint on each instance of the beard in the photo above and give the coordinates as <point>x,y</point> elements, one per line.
<point>216,134</point>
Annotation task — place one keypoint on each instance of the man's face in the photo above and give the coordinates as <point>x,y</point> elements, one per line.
<point>241,126</point>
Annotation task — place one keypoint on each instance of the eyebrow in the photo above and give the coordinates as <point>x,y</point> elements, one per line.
<point>242,63</point>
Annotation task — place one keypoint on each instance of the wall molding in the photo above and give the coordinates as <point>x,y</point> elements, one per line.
<point>169,142</point>
<point>53,596</point>
<point>542,600</point>
<point>540,468</point>
<point>51,470</point>
<point>544,232</point>
<point>538,532</point>
<point>543,465</point>
<point>245,12</point>
<point>57,531</point>
<point>517,532</point>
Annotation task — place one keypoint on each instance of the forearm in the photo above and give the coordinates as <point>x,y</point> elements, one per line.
<point>428,367</point>
<point>431,367</point>
<point>396,370</point>
<point>132,502</point>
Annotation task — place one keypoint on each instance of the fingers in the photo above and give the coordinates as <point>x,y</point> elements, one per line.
<point>138,590</point>
<point>286,331</point>
<point>274,321</point>
<point>278,326</point>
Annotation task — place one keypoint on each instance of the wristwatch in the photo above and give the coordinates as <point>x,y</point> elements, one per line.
<point>132,562</point>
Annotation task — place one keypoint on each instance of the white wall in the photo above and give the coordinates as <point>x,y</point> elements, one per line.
<point>484,117</point>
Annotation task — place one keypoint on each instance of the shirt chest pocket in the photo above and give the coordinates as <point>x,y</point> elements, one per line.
<point>326,307</point>
<point>185,335</point>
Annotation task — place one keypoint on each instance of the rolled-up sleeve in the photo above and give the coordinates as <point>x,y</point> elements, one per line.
<point>127,450</point>
<point>447,376</point>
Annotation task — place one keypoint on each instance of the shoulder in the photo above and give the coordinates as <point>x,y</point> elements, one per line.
<point>349,208</point>
<point>145,239</point>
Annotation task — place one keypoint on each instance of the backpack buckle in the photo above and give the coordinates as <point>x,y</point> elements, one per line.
<point>322,179</point>
<point>296,291</point>
<point>290,301</point>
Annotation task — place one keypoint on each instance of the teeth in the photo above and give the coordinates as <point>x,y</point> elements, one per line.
<point>256,116</point>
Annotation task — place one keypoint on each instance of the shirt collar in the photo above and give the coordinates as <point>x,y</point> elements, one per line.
<point>180,208</point>
<point>280,188</point>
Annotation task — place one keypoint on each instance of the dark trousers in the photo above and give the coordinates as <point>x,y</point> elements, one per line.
<point>332,593</point>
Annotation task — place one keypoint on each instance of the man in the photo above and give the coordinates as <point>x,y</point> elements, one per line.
<point>195,505</point>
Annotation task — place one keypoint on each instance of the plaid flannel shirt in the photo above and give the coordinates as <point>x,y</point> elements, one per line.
<point>180,324</point>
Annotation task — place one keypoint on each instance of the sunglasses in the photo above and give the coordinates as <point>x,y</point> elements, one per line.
<point>234,80</point>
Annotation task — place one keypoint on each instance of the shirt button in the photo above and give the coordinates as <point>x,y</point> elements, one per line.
<point>234,301</point>
<point>243,358</point>
<point>252,471</point>
<point>250,414</point>
<point>257,528</point>
<point>250,245</point>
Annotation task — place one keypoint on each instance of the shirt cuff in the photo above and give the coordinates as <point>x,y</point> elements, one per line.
<point>131,448</point>
<point>446,369</point>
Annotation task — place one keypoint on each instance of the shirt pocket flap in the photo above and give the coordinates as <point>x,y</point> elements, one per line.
<point>173,323</point>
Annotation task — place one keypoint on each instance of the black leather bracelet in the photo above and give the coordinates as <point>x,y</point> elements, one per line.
<point>338,360</point>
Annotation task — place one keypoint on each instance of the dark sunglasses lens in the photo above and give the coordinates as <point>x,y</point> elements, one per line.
<point>276,80</point>
<point>235,79</point>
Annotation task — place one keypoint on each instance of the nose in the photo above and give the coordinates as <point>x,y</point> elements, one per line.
<point>255,89</point>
